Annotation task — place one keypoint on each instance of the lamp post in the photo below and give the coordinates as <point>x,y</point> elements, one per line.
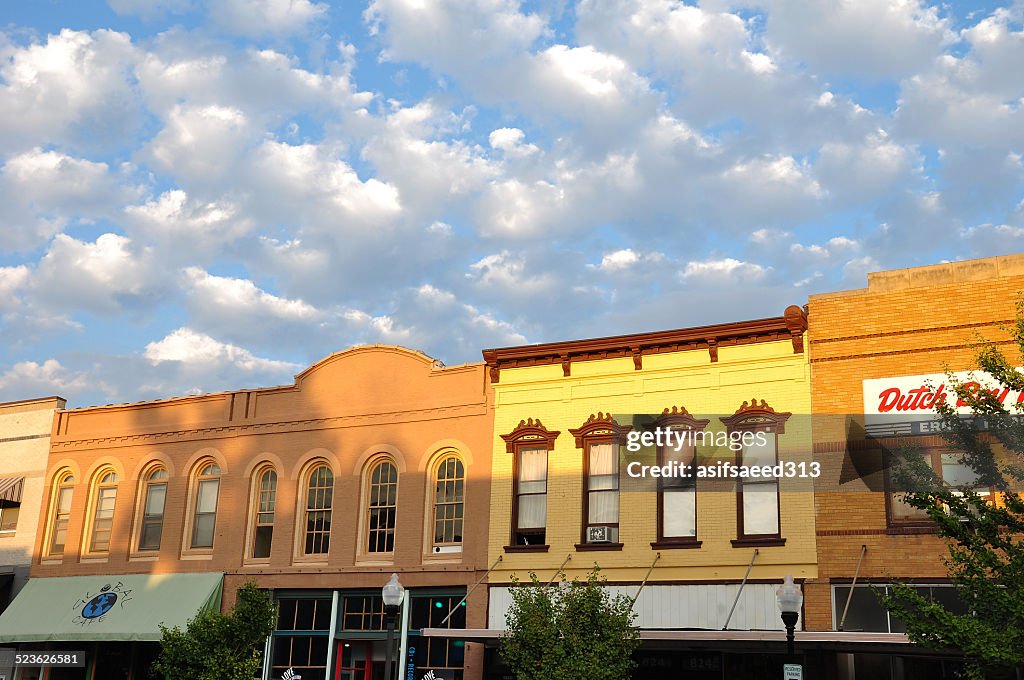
<point>790,599</point>
<point>393,594</point>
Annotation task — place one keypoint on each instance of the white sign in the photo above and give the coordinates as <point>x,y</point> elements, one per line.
<point>906,404</point>
<point>792,671</point>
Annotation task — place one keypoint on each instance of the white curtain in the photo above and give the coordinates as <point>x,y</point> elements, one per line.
<point>679,513</point>
<point>603,485</point>
<point>760,509</point>
<point>755,454</point>
<point>533,473</point>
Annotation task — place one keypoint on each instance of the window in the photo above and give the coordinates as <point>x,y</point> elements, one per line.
<point>204,519</point>
<point>677,495</point>
<point>531,497</point>
<point>63,491</point>
<point>954,472</point>
<point>301,637</point>
<point>529,444</point>
<point>383,498</point>
<point>104,498</point>
<point>362,613</point>
<point>444,658</point>
<point>599,438</point>
<point>319,499</point>
<point>153,499</point>
<point>266,497</point>
<point>866,613</point>
<point>449,492</point>
<point>757,498</point>
<point>9,511</point>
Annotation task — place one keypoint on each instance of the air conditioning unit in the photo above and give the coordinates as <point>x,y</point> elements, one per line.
<point>599,534</point>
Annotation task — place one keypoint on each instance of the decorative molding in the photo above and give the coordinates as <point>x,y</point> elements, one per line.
<point>600,424</point>
<point>790,326</point>
<point>530,431</point>
<point>754,414</point>
<point>678,416</point>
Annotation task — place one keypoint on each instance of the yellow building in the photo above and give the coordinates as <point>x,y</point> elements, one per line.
<point>565,412</point>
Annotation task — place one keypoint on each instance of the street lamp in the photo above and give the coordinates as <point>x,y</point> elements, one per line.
<point>790,599</point>
<point>393,594</point>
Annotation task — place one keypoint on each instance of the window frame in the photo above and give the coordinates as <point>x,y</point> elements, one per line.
<point>757,417</point>
<point>106,479</point>
<point>255,503</point>
<point>922,524</point>
<point>368,508</point>
<point>10,506</point>
<point>306,508</point>
<point>198,478</point>
<point>678,418</point>
<point>64,480</point>
<point>600,428</point>
<point>530,434</point>
<point>430,531</point>
<point>146,483</point>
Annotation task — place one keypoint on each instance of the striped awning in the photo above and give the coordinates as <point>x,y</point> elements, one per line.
<point>10,488</point>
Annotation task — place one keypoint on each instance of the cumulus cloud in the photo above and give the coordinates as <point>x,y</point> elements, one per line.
<point>723,270</point>
<point>197,350</point>
<point>265,17</point>
<point>28,379</point>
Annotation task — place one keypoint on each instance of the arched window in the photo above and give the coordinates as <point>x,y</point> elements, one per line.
<point>383,499</point>
<point>449,494</point>
<point>63,489</point>
<point>204,519</point>
<point>103,500</point>
<point>319,499</point>
<point>154,496</point>
<point>263,521</point>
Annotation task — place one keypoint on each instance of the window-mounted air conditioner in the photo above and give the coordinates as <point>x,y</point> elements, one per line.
<point>599,534</point>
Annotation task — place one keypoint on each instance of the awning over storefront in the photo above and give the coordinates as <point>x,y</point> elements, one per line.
<point>123,607</point>
<point>10,489</point>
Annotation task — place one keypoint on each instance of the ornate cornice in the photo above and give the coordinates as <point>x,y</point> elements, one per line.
<point>754,414</point>
<point>599,424</point>
<point>790,326</point>
<point>530,431</point>
<point>681,418</point>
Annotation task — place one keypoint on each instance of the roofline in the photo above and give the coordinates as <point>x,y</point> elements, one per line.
<point>36,400</point>
<point>790,326</point>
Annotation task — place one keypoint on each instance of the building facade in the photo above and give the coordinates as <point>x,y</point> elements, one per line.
<point>563,498</point>
<point>375,461</point>
<point>872,352</point>
<point>24,446</point>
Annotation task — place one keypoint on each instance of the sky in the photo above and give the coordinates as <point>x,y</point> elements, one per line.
<point>205,195</point>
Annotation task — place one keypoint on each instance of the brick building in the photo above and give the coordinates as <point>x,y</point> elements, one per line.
<point>377,460</point>
<point>869,349</point>
<point>562,496</point>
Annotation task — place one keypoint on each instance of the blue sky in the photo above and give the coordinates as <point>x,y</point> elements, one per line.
<point>198,195</point>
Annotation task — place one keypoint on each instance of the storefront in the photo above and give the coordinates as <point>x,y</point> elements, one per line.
<point>115,620</point>
<point>345,631</point>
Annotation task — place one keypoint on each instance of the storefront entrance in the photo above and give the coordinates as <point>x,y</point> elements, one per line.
<point>359,660</point>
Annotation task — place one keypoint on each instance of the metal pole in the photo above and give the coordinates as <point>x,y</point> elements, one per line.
<point>849,596</point>
<point>389,615</point>
<point>564,562</point>
<point>331,642</point>
<point>469,592</point>
<point>643,583</point>
<point>740,591</point>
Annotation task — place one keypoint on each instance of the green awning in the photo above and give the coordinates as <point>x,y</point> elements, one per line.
<point>123,607</point>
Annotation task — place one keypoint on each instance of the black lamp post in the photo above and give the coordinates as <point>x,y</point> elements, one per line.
<point>393,594</point>
<point>790,599</point>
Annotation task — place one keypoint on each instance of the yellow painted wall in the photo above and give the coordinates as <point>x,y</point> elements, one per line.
<point>769,371</point>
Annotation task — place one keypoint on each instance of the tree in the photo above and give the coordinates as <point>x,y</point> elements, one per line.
<point>569,630</point>
<point>217,646</point>
<point>984,533</point>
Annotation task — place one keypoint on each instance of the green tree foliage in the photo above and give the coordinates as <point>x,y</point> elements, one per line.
<point>572,630</point>
<point>985,539</point>
<point>217,646</point>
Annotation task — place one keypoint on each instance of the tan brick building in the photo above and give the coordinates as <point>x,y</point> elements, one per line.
<point>377,460</point>
<point>871,352</point>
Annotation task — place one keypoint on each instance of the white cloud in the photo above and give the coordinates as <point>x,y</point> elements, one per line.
<point>864,171</point>
<point>197,350</point>
<point>75,88</point>
<point>265,17</point>
<point>186,227</point>
<point>150,9</point>
<point>27,379</point>
<point>855,271</point>
<point>104,276</point>
<point>723,270</point>
<point>868,38</point>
